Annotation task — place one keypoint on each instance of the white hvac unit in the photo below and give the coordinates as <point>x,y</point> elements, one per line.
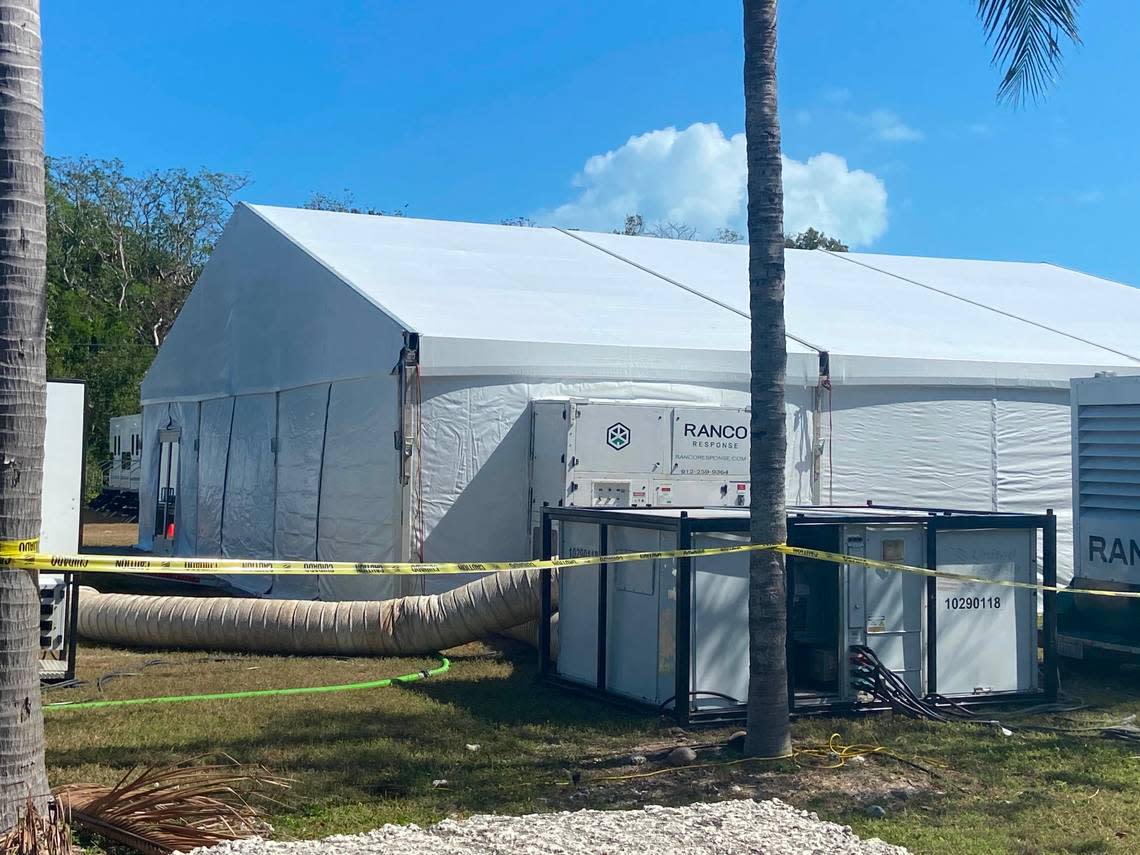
<point>608,454</point>
<point>653,631</point>
<point>1106,512</point>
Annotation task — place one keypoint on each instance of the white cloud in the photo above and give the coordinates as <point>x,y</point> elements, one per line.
<point>698,176</point>
<point>823,192</point>
<point>980,129</point>
<point>889,127</point>
<point>837,95</point>
<point>1089,197</point>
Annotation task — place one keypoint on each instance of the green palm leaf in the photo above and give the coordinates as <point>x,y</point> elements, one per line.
<point>1026,35</point>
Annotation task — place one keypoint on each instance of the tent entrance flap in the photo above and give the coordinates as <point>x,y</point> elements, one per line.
<point>167,489</point>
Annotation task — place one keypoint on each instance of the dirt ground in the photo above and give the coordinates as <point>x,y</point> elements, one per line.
<point>101,531</point>
<point>638,777</point>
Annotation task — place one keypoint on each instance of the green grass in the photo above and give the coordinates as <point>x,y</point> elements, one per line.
<point>361,759</point>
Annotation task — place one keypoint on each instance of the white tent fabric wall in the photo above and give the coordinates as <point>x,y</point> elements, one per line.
<point>911,445</point>
<point>476,448</point>
<point>1034,469</point>
<point>213,457</point>
<point>302,415</point>
<point>251,480</point>
<point>240,499</point>
<point>360,496</point>
<point>958,447</point>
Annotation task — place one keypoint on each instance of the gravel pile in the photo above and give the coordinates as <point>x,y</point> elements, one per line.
<point>720,828</point>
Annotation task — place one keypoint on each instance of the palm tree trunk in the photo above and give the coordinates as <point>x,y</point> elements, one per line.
<point>22,397</point>
<point>768,728</point>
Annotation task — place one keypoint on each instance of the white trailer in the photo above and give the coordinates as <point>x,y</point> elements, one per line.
<point>124,445</point>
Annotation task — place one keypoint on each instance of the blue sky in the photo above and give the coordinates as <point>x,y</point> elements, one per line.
<point>485,111</point>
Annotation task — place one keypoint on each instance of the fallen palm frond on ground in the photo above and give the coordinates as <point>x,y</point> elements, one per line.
<point>39,834</point>
<point>175,808</point>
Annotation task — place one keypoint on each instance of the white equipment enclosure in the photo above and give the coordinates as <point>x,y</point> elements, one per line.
<point>61,503</point>
<point>612,454</point>
<point>649,632</point>
<point>62,491</point>
<point>354,387</point>
<point>1106,497</point>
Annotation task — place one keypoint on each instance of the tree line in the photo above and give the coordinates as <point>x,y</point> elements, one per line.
<point>123,252</point>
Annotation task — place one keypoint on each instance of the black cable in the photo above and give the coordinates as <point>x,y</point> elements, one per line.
<point>103,679</point>
<point>62,684</point>
<point>890,688</point>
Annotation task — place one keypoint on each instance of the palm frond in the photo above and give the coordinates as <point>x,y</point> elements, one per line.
<point>39,834</point>
<point>1026,35</point>
<point>161,810</point>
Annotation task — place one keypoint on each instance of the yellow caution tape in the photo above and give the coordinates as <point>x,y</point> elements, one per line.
<point>242,567</point>
<point>232,566</point>
<point>19,547</point>
<point>835,557</point>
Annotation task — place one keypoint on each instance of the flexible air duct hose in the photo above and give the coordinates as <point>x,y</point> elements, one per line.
<point>527,633</point>
<point>401,627</point>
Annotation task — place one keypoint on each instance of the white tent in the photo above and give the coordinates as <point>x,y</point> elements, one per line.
<point>356,387</point>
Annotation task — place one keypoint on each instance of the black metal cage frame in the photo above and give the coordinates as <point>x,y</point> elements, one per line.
<point>932,519</point>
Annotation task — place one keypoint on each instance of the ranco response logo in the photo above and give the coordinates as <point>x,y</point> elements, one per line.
<point>617,436</point>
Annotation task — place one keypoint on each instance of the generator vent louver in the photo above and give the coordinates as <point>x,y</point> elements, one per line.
<point>1108,465</point>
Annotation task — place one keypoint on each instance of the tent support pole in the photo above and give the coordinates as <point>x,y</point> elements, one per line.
<point>817,427</point>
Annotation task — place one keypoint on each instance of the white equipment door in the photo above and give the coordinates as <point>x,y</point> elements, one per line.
<point>893,604</point>
<point>986,634</point>
<point>633,653</point>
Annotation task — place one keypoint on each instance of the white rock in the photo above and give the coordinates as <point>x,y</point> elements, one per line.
<point>737,825</point>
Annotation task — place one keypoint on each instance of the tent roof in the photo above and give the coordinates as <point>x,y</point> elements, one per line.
<point>922,308</point>
<point>505,283</point>
<point>1080,305</point>
<point>509,283</point>
<point>285,298</point>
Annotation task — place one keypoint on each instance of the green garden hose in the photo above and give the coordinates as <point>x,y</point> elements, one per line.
<point>443,668</point>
